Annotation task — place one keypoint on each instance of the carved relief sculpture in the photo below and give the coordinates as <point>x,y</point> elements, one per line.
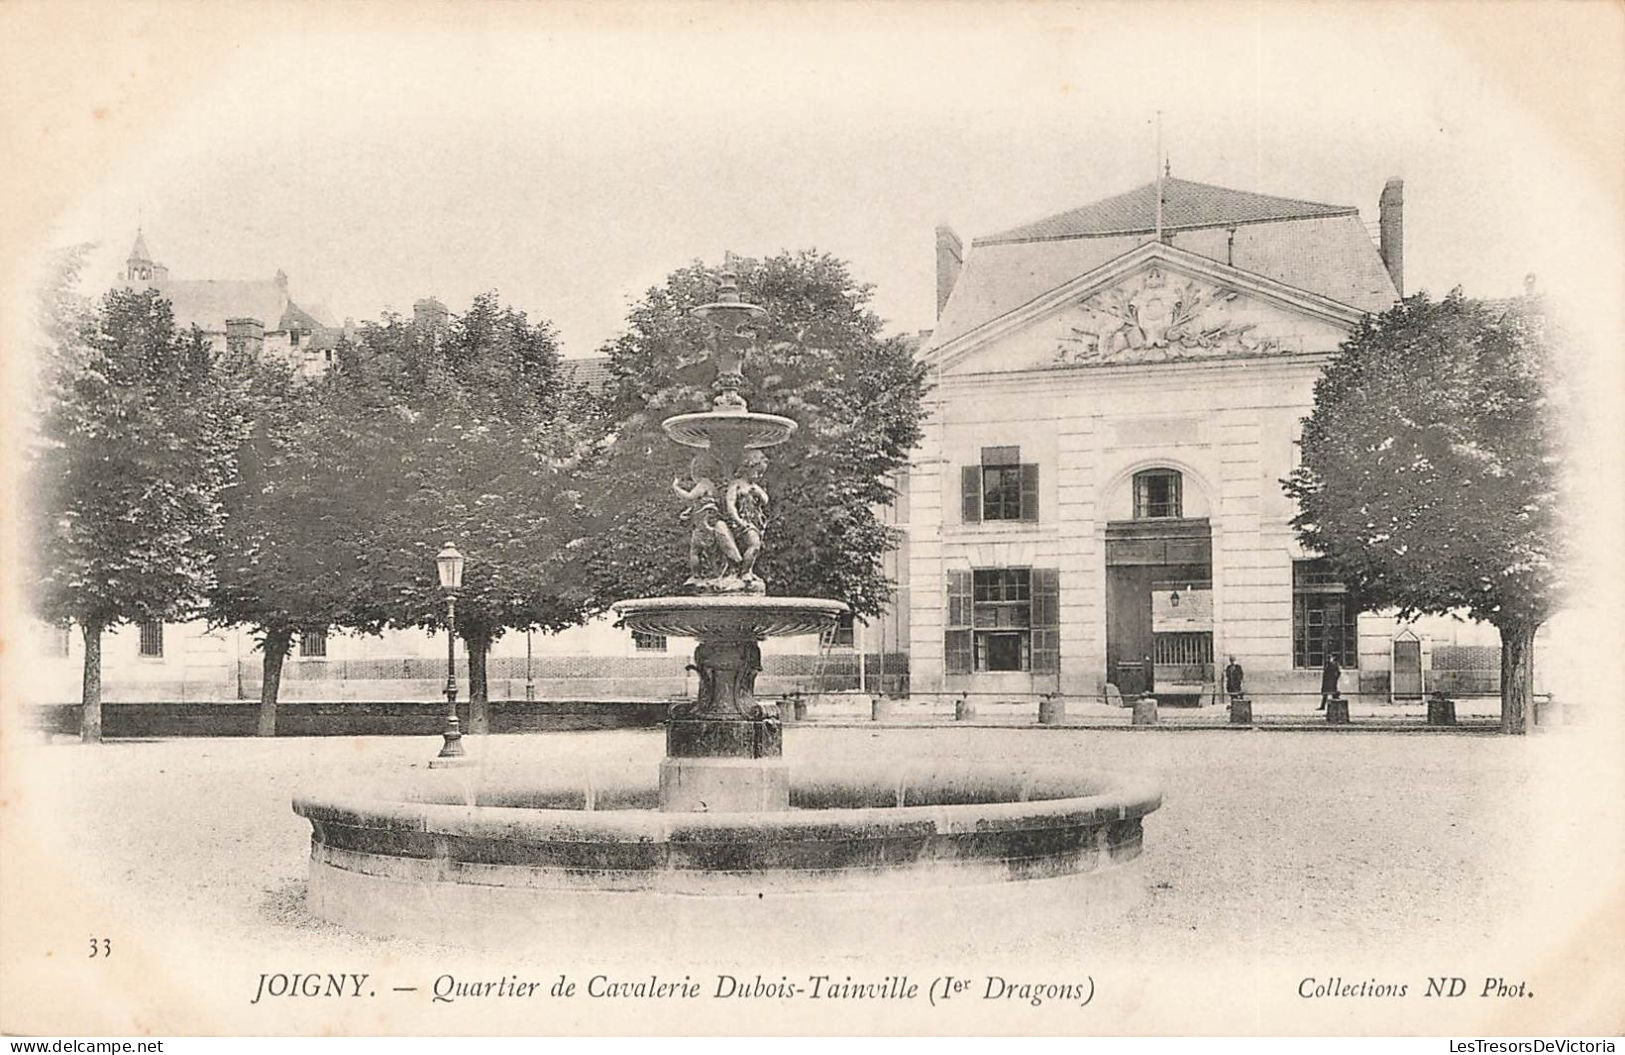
<point>1151,320</point>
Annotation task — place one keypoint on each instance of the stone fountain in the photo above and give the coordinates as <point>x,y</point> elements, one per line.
<point>724,749</point>
<point>482,854</point>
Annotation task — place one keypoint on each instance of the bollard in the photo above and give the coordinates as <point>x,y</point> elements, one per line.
<point>1114,696</point>
<point>964,709</point>
<point>1051,709</point>
<point>1145,710</point>
<point>1337,711</point>
<point>799,706</point>
<point>787,712</point>
<point>1241,710</point>
<point>1548,711</point>
<point>880,708</point>
<point>1441,710</point>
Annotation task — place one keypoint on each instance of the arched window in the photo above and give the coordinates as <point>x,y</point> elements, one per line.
<point>1158,494</point>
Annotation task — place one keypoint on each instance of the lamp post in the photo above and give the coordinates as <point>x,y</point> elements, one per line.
<point>449,563</point>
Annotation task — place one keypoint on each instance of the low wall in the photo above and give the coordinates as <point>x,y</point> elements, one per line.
<point>359,718</point>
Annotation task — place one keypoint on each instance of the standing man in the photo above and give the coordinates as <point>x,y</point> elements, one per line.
<point>1232,679</point>
<point>1328,680</point>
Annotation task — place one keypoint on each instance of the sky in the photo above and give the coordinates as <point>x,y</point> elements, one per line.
<point>569,157</point>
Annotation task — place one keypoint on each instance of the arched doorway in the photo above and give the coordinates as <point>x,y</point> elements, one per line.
<point>1159,592</point>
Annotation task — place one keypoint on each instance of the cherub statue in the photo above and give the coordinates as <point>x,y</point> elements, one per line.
<point>746,506</point>
<point>712,552</point>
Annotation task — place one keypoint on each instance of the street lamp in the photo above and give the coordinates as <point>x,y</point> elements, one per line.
<point>449,563</point>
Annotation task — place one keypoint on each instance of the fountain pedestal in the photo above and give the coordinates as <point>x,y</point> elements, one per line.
<point>724,785</point>
<point>724,754</point>
<point>724,751</point>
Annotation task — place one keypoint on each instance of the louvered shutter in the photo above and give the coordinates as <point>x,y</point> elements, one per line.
<point>957,645</point>
<point>1029,492</point>
<point>1046,620</point>
<point>970,486</point>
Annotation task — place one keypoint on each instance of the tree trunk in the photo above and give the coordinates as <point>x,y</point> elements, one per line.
<point>1517,676</point>
<point>90,695</point>
<point>479,690</point>
<point>275,649</point>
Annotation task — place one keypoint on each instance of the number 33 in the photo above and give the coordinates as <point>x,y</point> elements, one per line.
<point>101,947</point>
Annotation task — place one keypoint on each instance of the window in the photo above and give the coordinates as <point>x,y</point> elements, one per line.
<point>1002,616</point>
<point>54,641</point>
<point>1000,488</point>
<point>313,643</point>
<point>1157,494</point>
<point>648,642</point>
<point>1002,619</point>
<point>841,634</point>
<point>152,637</point>
<point>1324,617</point>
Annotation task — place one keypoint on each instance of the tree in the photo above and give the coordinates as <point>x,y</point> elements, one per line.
<point>821,361</point>
<point>466,431</point>
<point>1431,470</point>
<point>126,477</point>
<point>295,538</point>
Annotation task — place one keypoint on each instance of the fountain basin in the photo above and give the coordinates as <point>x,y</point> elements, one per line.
<point>732,617</point>
<point>736,430</point>
<point>845,830</point>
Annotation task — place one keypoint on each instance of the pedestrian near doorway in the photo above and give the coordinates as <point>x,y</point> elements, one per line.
<point>1329,675</point>
<point>1233,675</point>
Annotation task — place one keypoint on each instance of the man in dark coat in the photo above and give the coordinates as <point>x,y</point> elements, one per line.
<point>1328,681</point>
<point>1232,678</point>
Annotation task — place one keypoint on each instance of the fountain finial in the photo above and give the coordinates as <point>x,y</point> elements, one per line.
<point>730,338</point>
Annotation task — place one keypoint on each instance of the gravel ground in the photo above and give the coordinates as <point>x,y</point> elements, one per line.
<point>1335,853</point>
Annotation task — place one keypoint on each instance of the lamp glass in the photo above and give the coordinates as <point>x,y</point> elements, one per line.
<point>449,563</point>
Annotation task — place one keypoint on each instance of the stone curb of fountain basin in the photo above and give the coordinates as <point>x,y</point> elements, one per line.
<point>1164,724</point>
<point>635,849</point>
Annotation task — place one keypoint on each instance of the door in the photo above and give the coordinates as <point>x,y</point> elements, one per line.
<point>1140,554</point>
<point>1407,673</point>
<point>1129,642</point>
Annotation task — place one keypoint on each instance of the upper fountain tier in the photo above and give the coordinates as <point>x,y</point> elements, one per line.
<point>729,430</point>
<point>730,425</point>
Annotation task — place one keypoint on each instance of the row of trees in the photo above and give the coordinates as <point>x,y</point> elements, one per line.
<point>170,479</point>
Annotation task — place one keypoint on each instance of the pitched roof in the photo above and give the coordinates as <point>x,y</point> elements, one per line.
<point>208,303</point>
<point>1185,204</point>
<point>139,250</point>
<point>1321,249</point>
<point>591,373</point>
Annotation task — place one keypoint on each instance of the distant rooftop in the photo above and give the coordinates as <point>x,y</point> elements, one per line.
<point>1185,205</point>
<point>591,373</point>
<point>1321,249</point>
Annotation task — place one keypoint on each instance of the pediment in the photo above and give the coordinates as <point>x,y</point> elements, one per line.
<point>1153,306</point>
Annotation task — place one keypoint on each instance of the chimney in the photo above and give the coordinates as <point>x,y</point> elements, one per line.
<point>245,335</point>
<point>950,258</point>
<point>1391,231</point>
<point>429,314</point>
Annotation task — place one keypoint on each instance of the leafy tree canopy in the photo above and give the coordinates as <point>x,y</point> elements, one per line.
<point>821,361</point>
<point>132,461</point>
<point>1431,465</point>
<point>463,432</point>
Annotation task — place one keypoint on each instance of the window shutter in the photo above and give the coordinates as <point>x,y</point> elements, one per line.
<point>1046,620</point>
<point>1029,492</point>
<point>970,484</point>
<point>957,644</point>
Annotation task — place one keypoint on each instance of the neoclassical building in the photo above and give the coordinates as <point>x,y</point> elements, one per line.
<point>1119,389</point>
